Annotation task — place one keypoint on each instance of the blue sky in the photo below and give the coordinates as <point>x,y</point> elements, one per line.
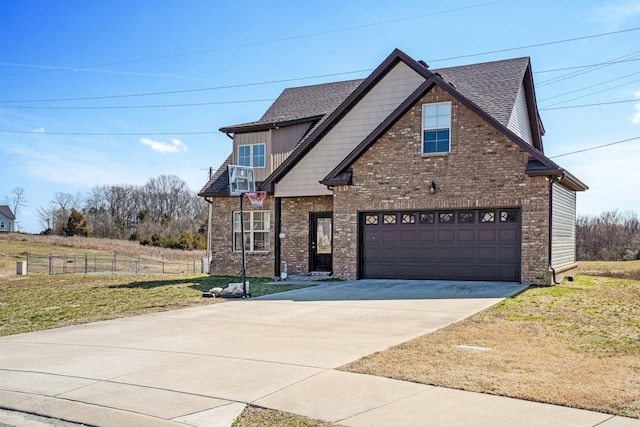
<point>115,76</point>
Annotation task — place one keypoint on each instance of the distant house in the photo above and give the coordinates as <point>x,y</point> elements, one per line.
<point>411,173</point>
<point>7,218</point>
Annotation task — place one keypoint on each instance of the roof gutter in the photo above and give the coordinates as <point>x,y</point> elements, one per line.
<point>255,127</point>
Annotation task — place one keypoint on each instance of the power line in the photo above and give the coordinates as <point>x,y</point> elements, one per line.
<point>306,78</point>
<point>595,148</point>
<point>536,45</point>
<point>172,92</point>
<point>37,132</point>
<point>590,105</point>
<point>263,42</point>
<point>581,72</point>
<point>589,87</point>
<point>595,93</point>
<point>196,104</point>
<point>584,66</point>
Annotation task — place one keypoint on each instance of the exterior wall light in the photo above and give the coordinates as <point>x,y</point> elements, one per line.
<point>432,187</point>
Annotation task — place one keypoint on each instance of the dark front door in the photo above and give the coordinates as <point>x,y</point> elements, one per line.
<point>320,241</point>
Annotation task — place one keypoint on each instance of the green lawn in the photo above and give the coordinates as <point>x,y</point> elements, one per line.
<point>32,303</point>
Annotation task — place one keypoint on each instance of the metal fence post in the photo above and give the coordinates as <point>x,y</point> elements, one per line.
<point>86,263</point>
<point>50,264</point>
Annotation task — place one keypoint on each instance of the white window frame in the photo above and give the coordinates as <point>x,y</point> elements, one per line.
<point>1,224</point>
<point>252,157</point>
<point>437,127</point>
<point>251,229</point>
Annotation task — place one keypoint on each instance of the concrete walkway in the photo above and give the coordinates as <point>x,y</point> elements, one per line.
<point>200,366</point>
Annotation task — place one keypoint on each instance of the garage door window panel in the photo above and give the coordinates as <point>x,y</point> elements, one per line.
<point>446,217</point>
<point>466,217</point>
<point>427,217</point>
<point>487,217</point>
<point>508,215</point>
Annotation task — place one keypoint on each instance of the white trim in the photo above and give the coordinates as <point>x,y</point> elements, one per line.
<point>251,155</point>
<point>266,222</point>
<point>433,128</point>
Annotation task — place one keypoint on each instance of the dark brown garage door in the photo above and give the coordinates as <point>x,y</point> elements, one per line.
<point>444,244</point>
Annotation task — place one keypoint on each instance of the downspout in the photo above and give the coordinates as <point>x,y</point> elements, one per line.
<point>209,232</point>
<point>278,228</point>
<point>552,179</point>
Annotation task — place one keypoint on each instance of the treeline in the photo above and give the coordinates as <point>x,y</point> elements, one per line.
<point>163,212</point>
<point>610,236</point>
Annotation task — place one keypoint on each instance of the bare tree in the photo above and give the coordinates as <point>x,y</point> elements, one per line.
<point>610,236</point>
<point>57,214</point>
<point>18,200</point>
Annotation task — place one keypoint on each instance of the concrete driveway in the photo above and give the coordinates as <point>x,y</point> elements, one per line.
<point>199,366</point>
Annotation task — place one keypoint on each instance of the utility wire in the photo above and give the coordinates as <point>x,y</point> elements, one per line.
<point>595,148</point>
<point>595,93</point>
<point>536,45</point>
<point>263,42</point>
<point>584,66</point>
<point>590,70</point>
<point>107,133</point>
<point>305,78</point>
<point>589,87</point>
<point>196,104</point>
<point>86,98</point>
<point>589,105</point>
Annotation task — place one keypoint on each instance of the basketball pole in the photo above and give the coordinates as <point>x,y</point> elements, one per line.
<point>244,263</point>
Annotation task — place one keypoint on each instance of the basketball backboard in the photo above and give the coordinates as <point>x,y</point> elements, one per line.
<point>241,180</point>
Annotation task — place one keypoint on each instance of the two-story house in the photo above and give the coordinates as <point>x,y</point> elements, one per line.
<point>411,173</point>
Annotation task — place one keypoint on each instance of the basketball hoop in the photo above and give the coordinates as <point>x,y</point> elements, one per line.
<point>257,198</point>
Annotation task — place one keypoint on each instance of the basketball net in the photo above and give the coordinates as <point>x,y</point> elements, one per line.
<point>257,198</point>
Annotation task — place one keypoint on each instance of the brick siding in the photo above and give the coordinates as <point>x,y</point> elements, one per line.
<point>483,169</point>
<point>294,247</point>
<point>224,260</point>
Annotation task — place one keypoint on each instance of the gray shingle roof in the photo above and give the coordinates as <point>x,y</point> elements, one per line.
<point>304,102</point>
<point>478,82</point>
<point>5,210</point>
<point>218,184</point>
<point>492,86</point>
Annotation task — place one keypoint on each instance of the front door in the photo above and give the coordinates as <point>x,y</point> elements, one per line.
<point>320,241</point>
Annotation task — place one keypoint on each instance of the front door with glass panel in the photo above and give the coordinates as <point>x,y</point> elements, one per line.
<point>320,241</point>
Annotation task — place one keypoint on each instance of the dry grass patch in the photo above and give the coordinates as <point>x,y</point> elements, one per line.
<point>15,247</point>
<point>253,416</point>
<point>577,345</point>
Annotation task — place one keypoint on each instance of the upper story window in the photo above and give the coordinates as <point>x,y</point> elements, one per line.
<point>251,155</point>
<point>436,128</point>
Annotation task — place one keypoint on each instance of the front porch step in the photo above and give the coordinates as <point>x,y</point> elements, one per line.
<point>312,276</point>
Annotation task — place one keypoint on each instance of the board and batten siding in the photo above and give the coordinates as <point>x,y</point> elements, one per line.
<point>260,174</point>
<point>519,120</point>
<point>563,226</point>
<point>284,140</point>
<point>303,179</point>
